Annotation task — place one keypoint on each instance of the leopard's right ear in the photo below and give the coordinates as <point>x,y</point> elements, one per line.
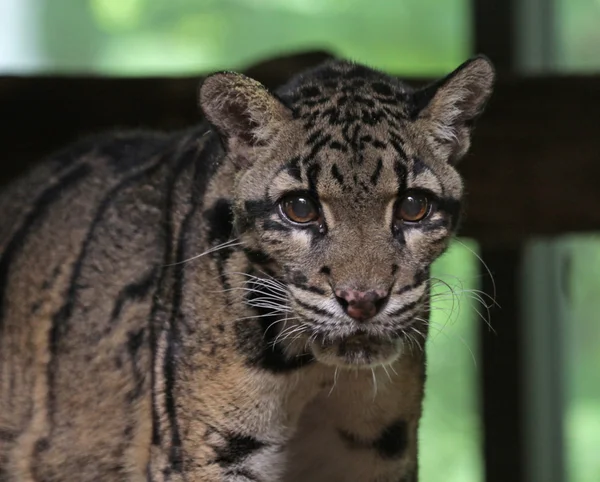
<point>242,110</point>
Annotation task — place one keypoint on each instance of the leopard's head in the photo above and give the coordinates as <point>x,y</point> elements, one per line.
<point>346,192</point>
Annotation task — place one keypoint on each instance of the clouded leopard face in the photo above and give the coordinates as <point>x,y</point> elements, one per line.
<point>346,192</point>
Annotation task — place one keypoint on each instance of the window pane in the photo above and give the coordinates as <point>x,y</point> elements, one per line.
<point>450,434</point>
<point>582,420</point>
<point>142,37</point>
<point>577,24</point>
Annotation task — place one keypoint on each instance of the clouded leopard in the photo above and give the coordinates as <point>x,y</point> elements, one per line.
<point>243,301</point>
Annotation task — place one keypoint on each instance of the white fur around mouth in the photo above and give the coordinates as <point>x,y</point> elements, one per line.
<point>358,351</point>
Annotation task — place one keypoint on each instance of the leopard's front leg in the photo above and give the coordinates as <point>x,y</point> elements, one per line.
<point>362,429</point>
<point>232,423</point>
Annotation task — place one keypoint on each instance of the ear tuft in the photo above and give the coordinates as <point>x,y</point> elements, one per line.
<point>449,107</point>
<point>242,109</point>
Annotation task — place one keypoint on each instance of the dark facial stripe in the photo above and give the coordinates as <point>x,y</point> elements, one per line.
<point>271,225</point>
<point>377,173</point>
<point>400,170</point>
<point>397,143</point>
<point>337,175</point>
<point>404,309</point>
<point>312,308</point>
<point>257,338</point>
<point>257,256</point>
<point>313,176</point>
<point>316,148</point>
<point>293,169</point>
<point>236,448</point>
<point>257,208</point>
<point>305,287</point>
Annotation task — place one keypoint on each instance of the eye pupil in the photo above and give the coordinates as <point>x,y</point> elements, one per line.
<point>300,209</point>
<point>413,207</point>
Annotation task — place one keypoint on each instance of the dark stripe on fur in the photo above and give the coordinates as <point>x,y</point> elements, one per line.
<point>164,282</point>
<point>404,309</point>
<point>257,337</point>
<point>390,445</point>
<point>60,321</point>
<point>236,448</point>
<point>312,308</point>
<point>135,291</point>
<point>377,172</point>
<point>41,207</point>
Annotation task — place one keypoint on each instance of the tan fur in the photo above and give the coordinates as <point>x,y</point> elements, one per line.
<point>161,319</point>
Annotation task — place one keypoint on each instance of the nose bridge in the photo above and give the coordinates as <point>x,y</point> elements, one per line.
<point>362,260</point>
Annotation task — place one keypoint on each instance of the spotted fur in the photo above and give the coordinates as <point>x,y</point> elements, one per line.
<point>161,319</point>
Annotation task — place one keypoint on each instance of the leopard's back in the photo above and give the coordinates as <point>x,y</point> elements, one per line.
<point>82,245</point>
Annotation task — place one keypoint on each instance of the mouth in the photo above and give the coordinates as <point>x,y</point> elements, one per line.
<point>357,351</point>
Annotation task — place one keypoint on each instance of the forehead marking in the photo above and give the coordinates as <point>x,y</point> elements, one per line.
<point>377,173</point>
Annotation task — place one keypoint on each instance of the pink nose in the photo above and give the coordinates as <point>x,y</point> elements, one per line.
<point>361,305</point>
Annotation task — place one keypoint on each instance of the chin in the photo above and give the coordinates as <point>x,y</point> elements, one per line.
<point>358,351</point>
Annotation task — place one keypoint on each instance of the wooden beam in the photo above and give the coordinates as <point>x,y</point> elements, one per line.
<point>534,168</point>
<point>501,381</point>
<point>494,36</point>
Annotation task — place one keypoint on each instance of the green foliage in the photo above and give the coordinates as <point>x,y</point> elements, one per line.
<point>450,432</point>
<point>582,418</point>
<point>142,37</point>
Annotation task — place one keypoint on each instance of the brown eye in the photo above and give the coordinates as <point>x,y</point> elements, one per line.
<point>412,208</point>
<point>300,209</point>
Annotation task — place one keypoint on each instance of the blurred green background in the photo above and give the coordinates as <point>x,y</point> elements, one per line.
<point>407,37</point>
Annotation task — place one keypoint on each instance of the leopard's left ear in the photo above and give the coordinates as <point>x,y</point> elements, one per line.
<point>242,110</point>
<point>447,109</point>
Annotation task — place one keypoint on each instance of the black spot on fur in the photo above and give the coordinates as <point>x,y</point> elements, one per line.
<point>392,443</point>
<point>126,151</point>
<point>41,445</point>
<point>237,447</point>
<point>220,221</point>
<point>135,339</point>
<point>257,338</point>
<point>270,225</point>
<point>256,256</point>
<point>381,88</point>
<point>394,269</point>
<point>316,148</point>
<point>418,166</point>
<point>335,172</point>
<point>377,172</point>
<point>400,171</point>
<point>135,291</point>
<point>313,177</point>
<point>299,278</point>
<point>337,146</point>
<point>310,91</point>
<point>326,270</point>
<point>257,208</point>
<point>293,169</point>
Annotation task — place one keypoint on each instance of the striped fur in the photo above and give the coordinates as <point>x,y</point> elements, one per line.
<point>162,320</point>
